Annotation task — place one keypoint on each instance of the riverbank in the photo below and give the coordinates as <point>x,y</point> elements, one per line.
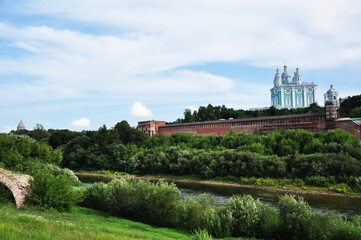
<point>289,189</point>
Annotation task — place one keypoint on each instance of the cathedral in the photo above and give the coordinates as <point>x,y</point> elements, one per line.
<point>295,93</point>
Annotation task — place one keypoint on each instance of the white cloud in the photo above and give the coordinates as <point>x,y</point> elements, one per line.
<point>141,50</point>
<point>140,110</point>
<point>192,108</point>
<point>7,129</point>
<point>81,123</point>
<point>316,33</point>
<point>45,123</point>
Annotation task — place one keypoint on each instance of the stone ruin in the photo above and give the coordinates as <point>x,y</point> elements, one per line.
<point>17,183</point>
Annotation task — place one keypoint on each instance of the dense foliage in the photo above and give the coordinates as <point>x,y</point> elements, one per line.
<point>52,187</point>
<point>19,151</point>
<point>320,159</point>
<point>210,113</point>
<point>160,204</point>
<point>135,199</point>
<point>52,192</point>
<point>350,106</point>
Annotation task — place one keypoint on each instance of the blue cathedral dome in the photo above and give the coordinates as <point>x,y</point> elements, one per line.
<point>295,93</point>
<point>286,78</point>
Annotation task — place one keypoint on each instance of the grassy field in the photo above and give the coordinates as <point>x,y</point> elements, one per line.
<point>81,223</point>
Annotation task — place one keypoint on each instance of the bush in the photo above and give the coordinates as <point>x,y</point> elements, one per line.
<point>190,210</point>
<point>245,211</point>
<point>341,229</point>
<point>95,196</point>
<point>55,170</point>
<point>52,192</point>
<point>202,235</point>
<point>218,222</point>
<point>269,222</point>
<point>295,215</point>
<point>142,200</point>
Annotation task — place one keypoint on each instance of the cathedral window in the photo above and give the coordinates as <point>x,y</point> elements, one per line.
<point>288,101</point>
<point>310,99</point>
<point>299,101</point>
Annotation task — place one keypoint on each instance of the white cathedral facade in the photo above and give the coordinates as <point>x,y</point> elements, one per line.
<point>295,93</point>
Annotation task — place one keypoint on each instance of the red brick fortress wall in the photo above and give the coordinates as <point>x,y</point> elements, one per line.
<point>315,122</point>
<point>353,127</point>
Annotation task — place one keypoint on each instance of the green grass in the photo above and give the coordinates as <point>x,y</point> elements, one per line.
<point>81,223</point>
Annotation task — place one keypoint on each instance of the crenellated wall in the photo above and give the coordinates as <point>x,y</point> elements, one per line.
<point>314,122</point>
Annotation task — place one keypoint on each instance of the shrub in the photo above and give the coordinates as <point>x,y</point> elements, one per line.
<point>55,170</point>
<point>269,222</point>
<point>342,229</point>
<point>143,200</point>
<point>95,196</point>
<point>341,188</point>
<point>295,215</point>
<point>202,235</point>
<point>245,211</point>
<point>218,222</point>
<point>190,210</point>
<point>320,181</point>
<point>52,192</point>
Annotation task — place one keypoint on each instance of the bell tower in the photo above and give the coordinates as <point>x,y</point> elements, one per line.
<point>331,111</point>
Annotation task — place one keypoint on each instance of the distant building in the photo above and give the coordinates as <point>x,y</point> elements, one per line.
<point>150,128</point>
<point>331,97</point>
<point>21,126</point>
<point>295,93</point>
<point>258,108</point>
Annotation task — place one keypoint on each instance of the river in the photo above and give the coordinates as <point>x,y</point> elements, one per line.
<point>342,205</point>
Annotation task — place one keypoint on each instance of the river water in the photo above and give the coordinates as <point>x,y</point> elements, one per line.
<point>341,205</point>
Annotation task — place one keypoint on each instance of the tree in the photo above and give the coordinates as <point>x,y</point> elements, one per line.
<point>356,112</point>
<point>348,104</point>
<point>61,137</point>
<point>39,133</point>
<point>188,117</point>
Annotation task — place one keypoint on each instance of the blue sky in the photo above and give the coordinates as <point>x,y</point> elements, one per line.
<point>81,64</point>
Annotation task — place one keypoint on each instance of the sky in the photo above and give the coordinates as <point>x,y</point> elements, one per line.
<point>81,64</point>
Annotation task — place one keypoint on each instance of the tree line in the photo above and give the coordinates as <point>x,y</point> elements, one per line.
<point>210,113</point>
<point>349,107</point>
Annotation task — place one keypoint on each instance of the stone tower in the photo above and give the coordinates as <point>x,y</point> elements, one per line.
<point>331,111</point>
<point>21,126</point>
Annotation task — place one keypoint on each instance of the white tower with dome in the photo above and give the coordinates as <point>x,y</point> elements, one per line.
<point>331,96</point>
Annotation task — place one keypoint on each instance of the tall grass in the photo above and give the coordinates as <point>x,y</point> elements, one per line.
<point>81,223</point>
